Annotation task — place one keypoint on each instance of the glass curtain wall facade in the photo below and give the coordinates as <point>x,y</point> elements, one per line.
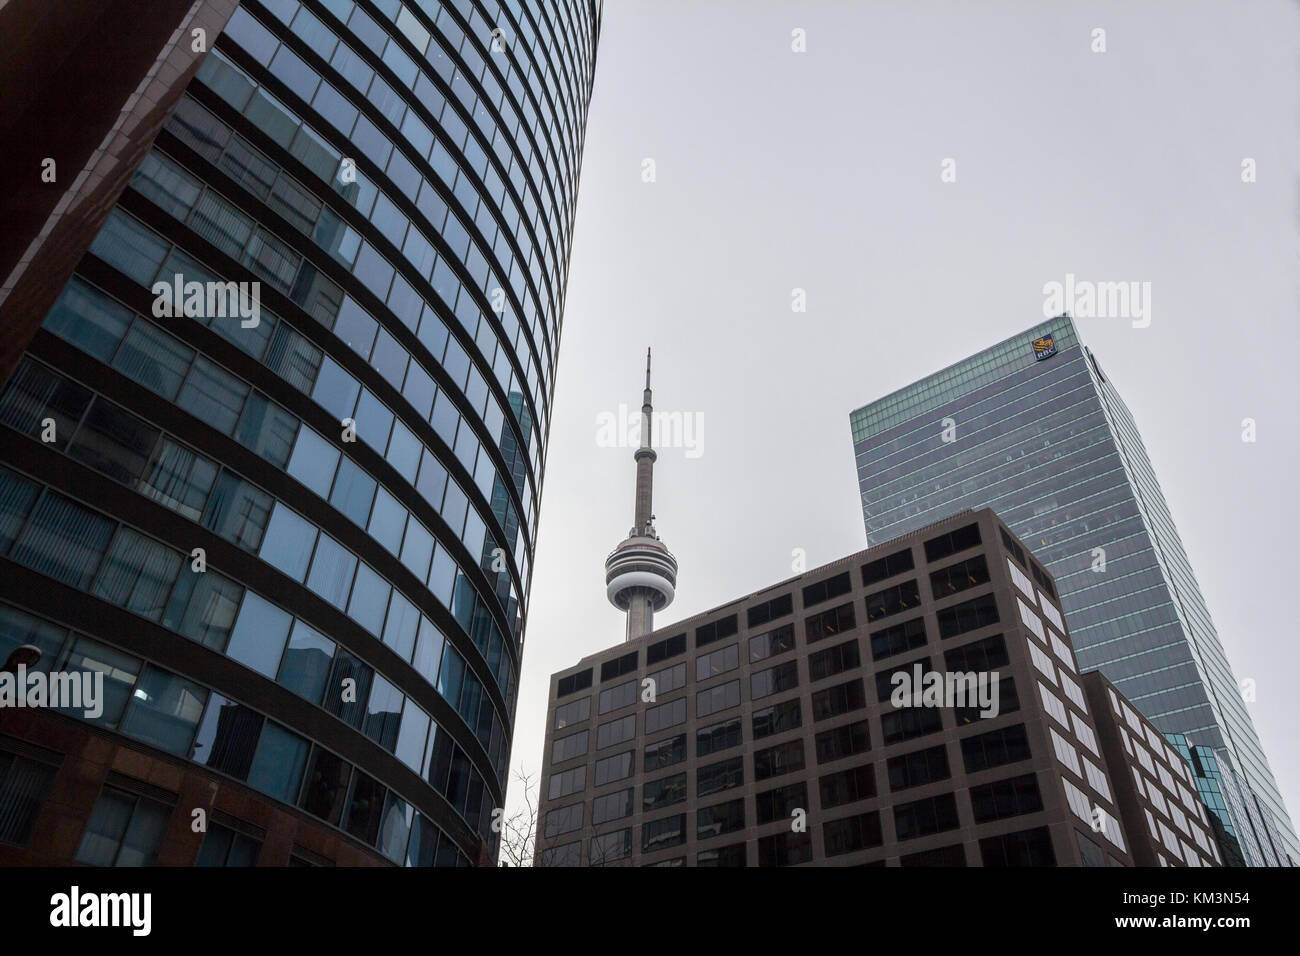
<point>355,456</point>
<point>1037,432</point>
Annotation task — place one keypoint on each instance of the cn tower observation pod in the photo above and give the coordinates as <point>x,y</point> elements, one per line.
<point>641,563</point>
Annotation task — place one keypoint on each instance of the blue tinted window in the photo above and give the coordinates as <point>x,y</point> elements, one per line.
<point>343,699</point>
<point>445,417</point>
<point>355,327</point>
<point>370,142</point>
<point>420,252</point>
<point>16,499</point>
<point>431,204</point>
<point>336,391</point>
<point>455,507</point>
<point>259,635</point>
<point>374,421</point>
<point>419,390</point>
<point>389,359</point>
<point>456,362</point>
<point>387,101</point>
<point>452,676</point>
<point>369,599</point>
<point>353,492</point>
<point>203,607</point>
<point>387,521</point>
<point>89,319</point>
<point>119,670</point>
<point>428,651</point>
<point>405,302</point>
<point>373,270</point>
<point>165,711</point>
<point>442,576</point>
<point>267,429</point>
<point>154,359</point>
<point>306,665</point>
<point>332,105</point>
<point>412,736</point>
<point>294,73</point>
<point>138,574</point>
<point>353,68</point>
<point>433,333</point>
<point>314,461</point>
<point>288,542</point>
<point>395,827</point>
<point>404,452</point>
<point>418,134</point>
<point>64,540</point>
<point>383,713</point>
<point>278,763</point>
<point>129,247</point>
<point>433,479</point>
<point>227,737</point>
<point>238,511</point>
<point>401,64</point>
<point>251,35</point>
<point>213,396</point>
<point>417,549</point>
<point>332,568</point>
<point>389,221</point>
<point>400,625</point>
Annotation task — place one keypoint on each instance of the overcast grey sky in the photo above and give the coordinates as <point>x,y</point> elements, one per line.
<point>777,170</point>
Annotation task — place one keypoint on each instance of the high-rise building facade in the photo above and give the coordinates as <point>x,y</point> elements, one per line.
<point>796,725</point>
<point>1155,789</point>
<point>1033,428</point>
<point>272,459</point>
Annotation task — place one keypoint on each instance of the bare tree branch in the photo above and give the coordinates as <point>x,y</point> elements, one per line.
<point>519,830</point>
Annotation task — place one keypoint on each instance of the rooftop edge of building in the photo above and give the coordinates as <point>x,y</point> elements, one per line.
<point>686,624</point>
<point>886,407</point>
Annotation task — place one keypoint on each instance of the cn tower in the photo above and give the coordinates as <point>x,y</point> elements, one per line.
<point>641,573</point>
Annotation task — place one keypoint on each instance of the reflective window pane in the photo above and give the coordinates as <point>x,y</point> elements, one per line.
<point>259,635</point>
<point>288,542</point>
<point>165,711</point>
<point>306,665</point>
<point>332,569</point>
<point>326,786</point>
<point>353,492</point>
<point>383,713</point>
<point>369,599</point>
<point>119,670</point>
<point>63,540</point>
<point>313,461</point>
<point>227,737</point>
<point>278,763</point>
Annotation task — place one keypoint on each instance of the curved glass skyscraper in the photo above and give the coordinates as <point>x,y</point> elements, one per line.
<point>273,458</point>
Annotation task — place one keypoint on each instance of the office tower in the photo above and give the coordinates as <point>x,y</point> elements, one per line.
<point>766,732</point>
<point>1223,791</point>
<point>273,453</point>
<point>1033,428</point>
<point>641,573</point>
<point>1167,825</point>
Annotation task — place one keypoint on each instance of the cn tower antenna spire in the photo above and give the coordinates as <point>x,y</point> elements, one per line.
<point>641,573</point>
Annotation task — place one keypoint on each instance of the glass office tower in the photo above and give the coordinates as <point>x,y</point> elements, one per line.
<point>1033,428</point>
<point>273,459</point>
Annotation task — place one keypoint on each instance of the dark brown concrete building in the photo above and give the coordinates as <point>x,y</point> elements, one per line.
<point>87,85</point>
<point>767,732</point>
<point>1155,789</point>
